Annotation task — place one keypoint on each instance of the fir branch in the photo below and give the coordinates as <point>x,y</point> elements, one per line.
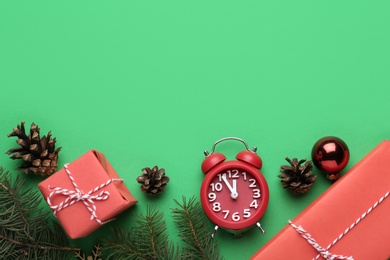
<point>11,201</point>
<point>147,240</point>
<point>96,254</point>
<point>25,229</point>
<point>193,230</point>
<point>117,250</point>
<point>37,246</point>
<point>153,228</point>
<point>122,244</point>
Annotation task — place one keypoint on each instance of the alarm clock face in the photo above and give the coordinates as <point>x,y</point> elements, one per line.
<point>234,195</point>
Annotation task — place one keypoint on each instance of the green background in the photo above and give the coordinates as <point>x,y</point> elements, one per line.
<point>158,82</point>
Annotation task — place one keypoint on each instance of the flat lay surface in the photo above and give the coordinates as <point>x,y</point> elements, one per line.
<point>158,82</point>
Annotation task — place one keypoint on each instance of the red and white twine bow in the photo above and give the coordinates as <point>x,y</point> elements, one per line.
<point>76,195</point>
<point>324,251</point>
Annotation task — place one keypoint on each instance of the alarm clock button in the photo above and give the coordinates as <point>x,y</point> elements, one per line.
<point>250,157</point>
<point>211,161</point>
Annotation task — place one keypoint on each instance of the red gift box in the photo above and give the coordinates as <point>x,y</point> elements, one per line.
<point>350,219</point>
<point>86,194</point>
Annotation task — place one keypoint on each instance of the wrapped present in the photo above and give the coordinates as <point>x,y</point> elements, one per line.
<point>350,220</point>
<point>86,194</point>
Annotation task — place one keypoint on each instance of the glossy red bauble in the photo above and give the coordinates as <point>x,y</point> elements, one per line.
<point>330,154</point>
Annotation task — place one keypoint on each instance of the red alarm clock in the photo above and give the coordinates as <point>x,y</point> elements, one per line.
<point>234,194</point>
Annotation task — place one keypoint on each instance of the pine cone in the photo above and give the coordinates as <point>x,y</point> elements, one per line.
<point>39,154</point>
<point>153,180</point>
<point>296,177</point>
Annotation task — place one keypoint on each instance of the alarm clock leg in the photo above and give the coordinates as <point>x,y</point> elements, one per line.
<point>260,227</point>
<point>215,231</point>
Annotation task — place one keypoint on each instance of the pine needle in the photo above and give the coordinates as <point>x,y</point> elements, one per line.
<point>25,229</point>
<point>149,238</point>
<point>192,227</point>
<point>96,254</point>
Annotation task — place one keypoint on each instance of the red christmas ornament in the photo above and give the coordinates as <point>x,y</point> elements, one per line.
<point>330,154</point>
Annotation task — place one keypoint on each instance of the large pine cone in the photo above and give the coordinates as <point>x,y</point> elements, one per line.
<point>39,154</point>
<point>296,177</point>
<point>153,180</point>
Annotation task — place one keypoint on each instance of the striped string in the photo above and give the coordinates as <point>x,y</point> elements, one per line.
<point>324,252</point>
<point>76,195</point>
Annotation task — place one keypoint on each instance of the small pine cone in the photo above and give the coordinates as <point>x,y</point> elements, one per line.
<point>38,154</point>
<point>153,180</point>
<point>296,177</point>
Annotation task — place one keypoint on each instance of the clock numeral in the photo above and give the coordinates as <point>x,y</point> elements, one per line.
<point>244,174</point>
<point>216,186</point>
<point>256,193</point>
<point>212,196</point>
<point>233,174</point>
<point>253,183</point>
<point>217,206</point>
<point>254,204</point>
<point>236,216</point>
<point>247,213</point>
<point>226,213</point>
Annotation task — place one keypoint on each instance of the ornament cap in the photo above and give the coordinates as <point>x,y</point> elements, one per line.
<point>211,161</point>
<point>251,158</point>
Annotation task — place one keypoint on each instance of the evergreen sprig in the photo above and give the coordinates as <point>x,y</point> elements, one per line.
<point>149,238</point>
<point>26,231</point>
<point>96,254</point>
<point>192,227</point>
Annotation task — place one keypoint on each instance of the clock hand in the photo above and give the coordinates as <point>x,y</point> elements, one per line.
<point>227,183</point>
<point>233,191</point>
<point>235,187</point>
